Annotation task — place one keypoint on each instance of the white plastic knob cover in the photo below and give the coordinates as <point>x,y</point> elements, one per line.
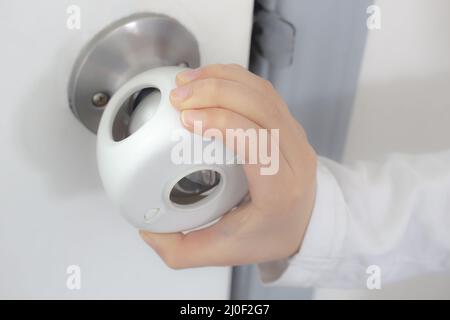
<point>138,172</point>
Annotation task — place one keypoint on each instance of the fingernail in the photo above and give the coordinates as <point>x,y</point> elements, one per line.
<point>181,93</point>
<point>188,75</point>
<point>188,117</point>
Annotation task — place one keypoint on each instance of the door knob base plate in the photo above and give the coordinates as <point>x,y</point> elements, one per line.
<point>119,52</point>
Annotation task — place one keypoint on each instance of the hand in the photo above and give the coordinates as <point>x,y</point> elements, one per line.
<point>271,226</point>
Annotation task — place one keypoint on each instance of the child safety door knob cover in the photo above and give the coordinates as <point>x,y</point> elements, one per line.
<point>150,165</point>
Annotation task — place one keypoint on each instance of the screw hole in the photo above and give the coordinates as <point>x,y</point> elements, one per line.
<point>100,99</point>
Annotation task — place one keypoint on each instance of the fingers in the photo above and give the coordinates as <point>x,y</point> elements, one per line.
<point>265,165</point>
<point>237,73</point>
<point>232,72</point>
<point>228,242</point>
<point>213,92</point>
<point>249,141</point>
<point>233,96</point>
<point>222,122</point>
<point>215,245</point>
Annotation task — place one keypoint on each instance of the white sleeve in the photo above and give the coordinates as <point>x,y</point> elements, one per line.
<point>394,215</point>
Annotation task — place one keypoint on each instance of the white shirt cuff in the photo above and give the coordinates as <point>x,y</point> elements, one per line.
<point>322,243</point>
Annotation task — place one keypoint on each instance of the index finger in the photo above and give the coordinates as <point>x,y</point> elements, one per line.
<point>232,72</point>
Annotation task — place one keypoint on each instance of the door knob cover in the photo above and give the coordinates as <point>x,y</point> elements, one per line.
<point>135,161</point>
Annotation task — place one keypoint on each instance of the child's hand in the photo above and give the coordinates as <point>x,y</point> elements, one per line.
<point>271,226</point>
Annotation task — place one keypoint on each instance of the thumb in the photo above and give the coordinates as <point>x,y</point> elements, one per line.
<point>217,245</point>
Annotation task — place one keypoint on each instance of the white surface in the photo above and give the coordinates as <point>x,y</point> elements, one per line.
<point>53,210</point>
<point>403,105</point>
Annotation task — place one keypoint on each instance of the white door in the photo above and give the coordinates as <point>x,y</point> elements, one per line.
<point>53,210</point>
